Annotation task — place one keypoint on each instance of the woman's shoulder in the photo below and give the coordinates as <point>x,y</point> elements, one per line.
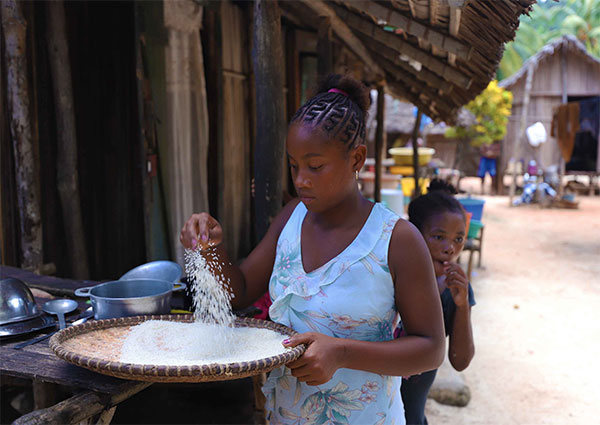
<point>284,215</point>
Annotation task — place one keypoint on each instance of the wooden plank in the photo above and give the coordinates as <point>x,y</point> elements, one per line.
<point>454,27</point>
<point>51,284</point>
<point>408,24</point>
<point>324,47</point>
<point>49,368</point>
<point>81,407</point>
<point>427,60</point>
<point>346,35</point>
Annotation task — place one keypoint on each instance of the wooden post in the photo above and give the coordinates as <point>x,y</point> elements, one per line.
<point>267,60</point>
<point>415,143</point>
<point>520,136</point>
<point>324,48</point>
<point>66,155</point>
<point>564,99</point>
<point>380,140</point>
<point>14,28</point>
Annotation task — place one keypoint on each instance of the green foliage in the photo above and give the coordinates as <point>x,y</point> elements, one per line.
<point>549,21</point>
<point>491,108</point>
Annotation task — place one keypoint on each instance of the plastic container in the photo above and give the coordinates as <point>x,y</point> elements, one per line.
<point>403,156</point>
<point>394,199</point>
<point>474,227</point>
<point>474,206</point>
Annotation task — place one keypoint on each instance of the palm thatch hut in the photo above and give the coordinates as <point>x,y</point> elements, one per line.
<point>176,119</point>
<point>560,72</point>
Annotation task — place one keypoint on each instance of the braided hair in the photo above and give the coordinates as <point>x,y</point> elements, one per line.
<point>438,199</point>
<point>339,109</point>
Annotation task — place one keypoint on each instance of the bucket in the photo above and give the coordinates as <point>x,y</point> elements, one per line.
<point>474,206</point>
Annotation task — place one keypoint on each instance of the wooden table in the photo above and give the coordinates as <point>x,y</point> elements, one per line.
<point>97,395</point>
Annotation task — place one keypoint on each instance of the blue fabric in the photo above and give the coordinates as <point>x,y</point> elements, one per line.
<point>351,296</point>
<point>486,165</point>
<point>415,388</point>
<point>529,190</point>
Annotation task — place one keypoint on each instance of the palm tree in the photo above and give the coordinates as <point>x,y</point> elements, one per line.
<point>548,21</point>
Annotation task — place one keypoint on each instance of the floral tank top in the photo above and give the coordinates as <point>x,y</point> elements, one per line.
<point>351,296</point>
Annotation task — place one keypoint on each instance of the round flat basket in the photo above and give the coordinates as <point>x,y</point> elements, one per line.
<point>95,345</point>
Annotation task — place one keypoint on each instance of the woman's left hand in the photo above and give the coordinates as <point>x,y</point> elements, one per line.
<point>320,360</point>
<point>457,282</point>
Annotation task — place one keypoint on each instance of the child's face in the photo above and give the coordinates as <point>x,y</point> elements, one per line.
<point>323,170</point>
<point>445,236</point>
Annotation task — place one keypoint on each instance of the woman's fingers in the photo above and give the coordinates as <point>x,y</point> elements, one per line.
<point>200,230</point>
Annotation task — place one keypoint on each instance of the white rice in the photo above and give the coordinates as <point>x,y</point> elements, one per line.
<point>211,338</point>
<point>211,298</point>
<point>184,344</point>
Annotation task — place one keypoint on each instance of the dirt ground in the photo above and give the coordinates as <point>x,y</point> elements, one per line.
<point>536,327</point>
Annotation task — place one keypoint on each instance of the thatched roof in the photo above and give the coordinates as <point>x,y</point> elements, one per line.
<point>399,116</point>
<point>436,54</point>
<point>567,42</point>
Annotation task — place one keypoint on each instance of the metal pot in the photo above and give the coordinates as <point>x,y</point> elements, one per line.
<point>16,302</point>
<point>132,297</point>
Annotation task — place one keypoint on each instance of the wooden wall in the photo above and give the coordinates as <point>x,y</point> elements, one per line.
<point>583,79</point>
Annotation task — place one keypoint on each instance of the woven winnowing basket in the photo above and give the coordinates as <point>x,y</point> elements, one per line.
<point>95,345</point>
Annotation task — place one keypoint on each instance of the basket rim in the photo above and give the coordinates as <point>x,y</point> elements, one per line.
<point>171,373</point>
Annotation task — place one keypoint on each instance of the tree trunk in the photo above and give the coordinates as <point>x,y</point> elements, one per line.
<point>66,155</point>
<point>14,28</point>
<point>415,144</point>
<point>267,60</point>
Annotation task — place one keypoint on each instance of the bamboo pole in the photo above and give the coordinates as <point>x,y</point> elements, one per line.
<point>380,140</point>
<point>66,155</point>
<point>14,28</point>
<point>415,144</point>
<point>521,135</point>
<point>267,60</point>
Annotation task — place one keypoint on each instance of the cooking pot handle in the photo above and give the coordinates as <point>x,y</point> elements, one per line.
<point>83,292</point>
<point>178,286</point>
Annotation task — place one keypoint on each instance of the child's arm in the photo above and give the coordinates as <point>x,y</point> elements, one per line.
<point>250,280</point>
<point>462,347</point>
<point>418,302</point>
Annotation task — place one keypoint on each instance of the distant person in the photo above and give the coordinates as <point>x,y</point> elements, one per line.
<point>441,220</point>
<point>487,164</point>
<point>339,269</point>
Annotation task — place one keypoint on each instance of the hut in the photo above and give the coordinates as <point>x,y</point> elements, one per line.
<point>559,73</point>
<point>177,106</point>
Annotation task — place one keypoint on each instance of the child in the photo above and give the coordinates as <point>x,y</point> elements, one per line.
<point>339,269</point>
<point>441,220</point>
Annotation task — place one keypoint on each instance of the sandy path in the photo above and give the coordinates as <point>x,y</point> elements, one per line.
<point>537,319</point>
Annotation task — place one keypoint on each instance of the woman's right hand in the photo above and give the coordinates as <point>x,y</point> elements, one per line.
<point>201,230</point>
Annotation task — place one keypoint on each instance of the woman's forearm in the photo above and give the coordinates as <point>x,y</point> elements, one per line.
<point>461,347</point>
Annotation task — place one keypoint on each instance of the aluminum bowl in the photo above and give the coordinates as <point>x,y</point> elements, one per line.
<point>16,302</point>
<point>161,270</point>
